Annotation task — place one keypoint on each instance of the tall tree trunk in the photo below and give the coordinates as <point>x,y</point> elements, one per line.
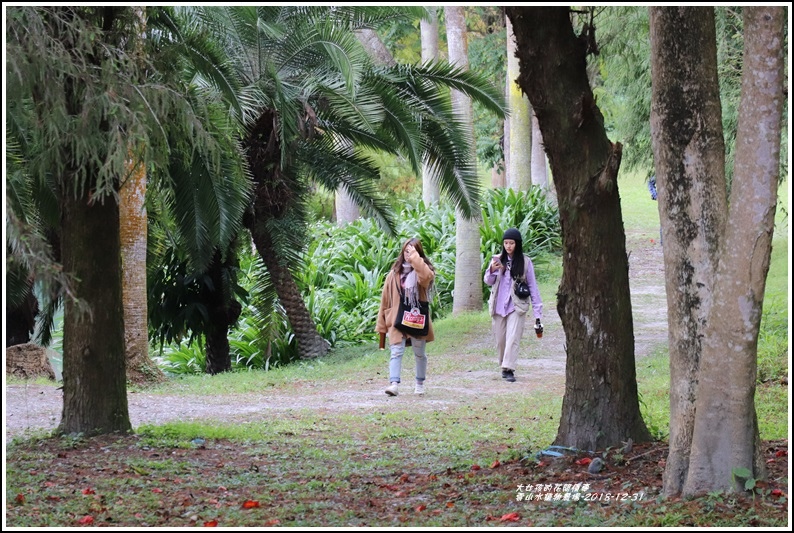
<point>540,176</point>
<point>600,407</point>
<point>134,227</point>
<point>689,156</point>
<point>518,172</point>
<point>94,376</point>
<point>428,29</point>
<point>468,260</point>
<point>725,436</point>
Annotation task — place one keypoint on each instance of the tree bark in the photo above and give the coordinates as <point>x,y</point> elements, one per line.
<point>519,171</point>
<point>725,435</point>
<point>468,260</point>
<point>689,156</point>
<point>428,29</point>
<point>94,374</point>
<point>600,405</point>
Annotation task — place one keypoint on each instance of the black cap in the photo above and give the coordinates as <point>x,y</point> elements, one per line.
<point>513,234</point>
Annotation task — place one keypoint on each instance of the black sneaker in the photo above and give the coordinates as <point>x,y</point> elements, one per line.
<point>507,375</point>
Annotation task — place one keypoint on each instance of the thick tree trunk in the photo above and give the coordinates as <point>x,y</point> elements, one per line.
<point>600,406</point>
<point>726,437</point>
<point>519,172</point>
<point>94,375</point>
<point>689,156</point>
<point>428,29</point>
<point>468,260</point>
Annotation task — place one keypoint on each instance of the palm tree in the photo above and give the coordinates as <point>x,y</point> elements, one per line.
<point>309,100</point>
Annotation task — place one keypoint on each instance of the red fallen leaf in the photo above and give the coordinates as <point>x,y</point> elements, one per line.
<point>87,520</point>
<point>20,499</point>
<point>211,523</point>
<point>89,491</point>
<point>475,467</point>
<point>450,504</point>
<point>224,489</point>
<point>138,515</point>
<point>584,461</point>
<point>250,504</point>
<point>781,453</point>
<point>157,491</point>
<point>542,464</point>
<point>403,478</point>
<point>272,522</point>
<point>495,464</point>
<point>510,517</point>
<point>420,508</point>
<point>777,493</point>
<point>772,460</point>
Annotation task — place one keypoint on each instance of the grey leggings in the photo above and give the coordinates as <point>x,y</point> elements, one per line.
<point>395,362</point>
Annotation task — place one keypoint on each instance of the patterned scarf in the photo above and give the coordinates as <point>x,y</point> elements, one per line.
<point>409,285</point>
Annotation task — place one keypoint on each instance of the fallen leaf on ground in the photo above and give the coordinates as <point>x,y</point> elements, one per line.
<point>510,517</point>
<point>250,504</point>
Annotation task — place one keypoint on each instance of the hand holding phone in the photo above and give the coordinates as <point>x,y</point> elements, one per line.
<point>495,263</point>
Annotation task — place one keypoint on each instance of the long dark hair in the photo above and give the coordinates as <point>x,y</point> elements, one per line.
<point>417,244</point>
<point>517,266</point>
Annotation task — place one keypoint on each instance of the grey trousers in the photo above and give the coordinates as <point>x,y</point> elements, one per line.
<point>396,360</point>
<point>507,331</point>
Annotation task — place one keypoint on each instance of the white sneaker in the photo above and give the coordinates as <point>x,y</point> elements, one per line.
<point>420,388</point>
<point>391,390</point>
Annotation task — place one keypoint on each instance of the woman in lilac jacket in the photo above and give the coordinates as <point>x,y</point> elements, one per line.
<point>508,311</point>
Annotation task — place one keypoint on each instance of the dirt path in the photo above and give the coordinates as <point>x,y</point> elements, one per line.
<point>32,409</point>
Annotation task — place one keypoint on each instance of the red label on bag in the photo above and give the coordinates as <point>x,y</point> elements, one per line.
<point>413,319</point>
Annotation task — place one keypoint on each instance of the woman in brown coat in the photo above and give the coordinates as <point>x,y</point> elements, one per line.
<point>413,274</point>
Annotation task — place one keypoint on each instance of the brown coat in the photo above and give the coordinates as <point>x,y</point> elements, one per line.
<point>390,300</point>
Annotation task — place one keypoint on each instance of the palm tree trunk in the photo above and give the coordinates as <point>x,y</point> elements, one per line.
<point>428,29</point>
<point>468,264</point>
<point>518,173</point>
<point>310,343</point>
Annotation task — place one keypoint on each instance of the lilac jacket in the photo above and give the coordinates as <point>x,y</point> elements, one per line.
<point>501,301</point>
